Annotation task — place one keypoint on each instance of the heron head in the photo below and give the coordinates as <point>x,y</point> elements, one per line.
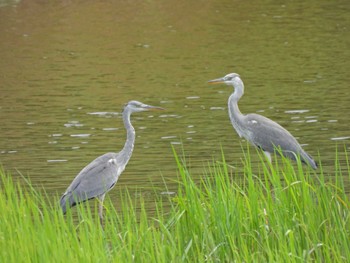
<point>229,79</point>
<point>136,106</point>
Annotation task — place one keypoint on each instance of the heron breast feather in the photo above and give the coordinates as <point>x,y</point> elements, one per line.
<point>112,161</point>
<point>120,169</point>
<point>253,121</point>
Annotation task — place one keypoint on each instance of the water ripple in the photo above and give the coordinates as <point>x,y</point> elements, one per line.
<point>103,113</point>
<point>296,111</point>
<point>73,124</point>
<point>82,135</point>
<point>340,138</point>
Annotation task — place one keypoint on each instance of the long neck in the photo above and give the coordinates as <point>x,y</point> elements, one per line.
<point>234,112</point>
<point>126,152</point>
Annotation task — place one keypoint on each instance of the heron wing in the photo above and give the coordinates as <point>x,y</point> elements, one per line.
<point>267,134</point>
<point>97,178</point>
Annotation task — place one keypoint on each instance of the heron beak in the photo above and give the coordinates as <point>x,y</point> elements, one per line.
<point>152,108</point>
<point>216,81</point>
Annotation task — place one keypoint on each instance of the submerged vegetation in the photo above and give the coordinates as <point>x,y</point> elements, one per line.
<point>279,213</point>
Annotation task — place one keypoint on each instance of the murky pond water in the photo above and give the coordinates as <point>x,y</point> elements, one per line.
<point>68,67</point>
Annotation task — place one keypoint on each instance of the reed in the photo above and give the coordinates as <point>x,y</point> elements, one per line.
<point>273,213</point>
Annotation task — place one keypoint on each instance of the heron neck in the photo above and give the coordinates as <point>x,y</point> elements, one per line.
<point>234,98</point>
<point>126,152</point>
<point>234,112</point>
<point>233,107</point>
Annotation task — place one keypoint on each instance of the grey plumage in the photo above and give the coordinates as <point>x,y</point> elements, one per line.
<point>94,180</point>
<point>99,176</point>
<point>259,130</point>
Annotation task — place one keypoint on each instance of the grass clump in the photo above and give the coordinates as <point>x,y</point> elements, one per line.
<point>280,213</point>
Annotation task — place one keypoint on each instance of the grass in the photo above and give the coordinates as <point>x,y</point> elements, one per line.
<point>279,213</point>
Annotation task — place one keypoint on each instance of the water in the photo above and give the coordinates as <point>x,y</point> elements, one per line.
<point>68,67</point>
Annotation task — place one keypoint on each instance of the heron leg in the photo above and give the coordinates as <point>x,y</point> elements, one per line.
<point>100,207</point>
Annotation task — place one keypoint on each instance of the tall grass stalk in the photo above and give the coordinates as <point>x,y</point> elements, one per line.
<point>275,213</point>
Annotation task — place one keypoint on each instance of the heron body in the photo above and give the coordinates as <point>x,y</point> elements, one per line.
<point>259,130</point>
<point>99,176</point>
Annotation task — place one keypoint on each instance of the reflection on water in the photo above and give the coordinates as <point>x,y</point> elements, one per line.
<point>64,82</point>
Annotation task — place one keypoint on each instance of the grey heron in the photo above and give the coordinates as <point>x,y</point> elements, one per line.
<point>99,176</point>
<point>259,130</point>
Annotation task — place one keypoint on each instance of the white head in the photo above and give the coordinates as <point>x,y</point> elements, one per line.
<point>136,106</point>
